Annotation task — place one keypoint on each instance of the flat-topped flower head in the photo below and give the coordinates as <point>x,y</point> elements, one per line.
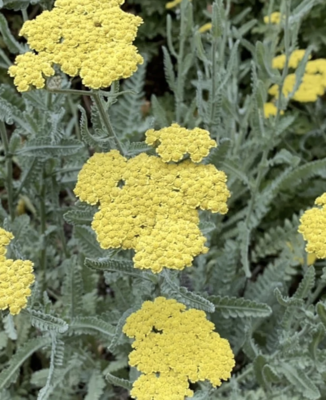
<point>150,206</point>
<point>90,38</point>
<point>313,228</point>
<point>294,60</point>
<point>175,345</point>
<point>274,18</point>
<point>174,142</point>
<point>270,109</point>
<point>311,87</point>
<point>16,276</point>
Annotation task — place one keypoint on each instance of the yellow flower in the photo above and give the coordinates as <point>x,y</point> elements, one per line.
<point>174,142</point>
<point>294,60</point>
<point>172,4</point>
<point>15,278</point>
<point>269,109</point>
<point>316,66</point>
<point>274,18</point>
<point>311,87</point>
<point>311,257</point>
<point>151,206</point>
<point>92,39</point>
<point>313,228</point>
<point>178,344</point>
<point>205,27</point>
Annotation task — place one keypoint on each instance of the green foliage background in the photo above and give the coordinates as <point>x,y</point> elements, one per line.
<point>255,283</point>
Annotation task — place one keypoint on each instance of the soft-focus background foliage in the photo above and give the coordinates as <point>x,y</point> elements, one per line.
<point>269,301</point>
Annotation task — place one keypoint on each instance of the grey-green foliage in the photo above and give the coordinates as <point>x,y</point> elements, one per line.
<point>254,283</point>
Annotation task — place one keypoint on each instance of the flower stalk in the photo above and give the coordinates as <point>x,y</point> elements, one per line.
<point>8,164</point>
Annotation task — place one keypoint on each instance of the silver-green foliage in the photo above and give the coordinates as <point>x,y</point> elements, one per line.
<point>254,284</point>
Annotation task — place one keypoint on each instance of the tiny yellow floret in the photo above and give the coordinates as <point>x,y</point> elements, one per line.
<point>16,276</point>
<point>313,228</point>
<point>89,38</point>
<point>173,346</point>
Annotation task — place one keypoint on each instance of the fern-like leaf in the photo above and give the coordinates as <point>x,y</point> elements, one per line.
<point>86,239</point>
<point>300,381</point>
<point>232,307</point>
<point>45,322</point>
<point>183,295</point>
<point>114,380</point>
<point>113,265</point>
<point>22,354</point>
<point>96,386</point>
<point>89,325</point>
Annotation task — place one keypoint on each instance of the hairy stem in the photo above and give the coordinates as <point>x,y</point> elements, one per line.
<point>8,163</point>
<point>43,229</point>
<point>106,121</point>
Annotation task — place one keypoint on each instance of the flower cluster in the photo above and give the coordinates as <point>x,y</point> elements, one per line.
<point>313,228</point>
<point>151,206</point>
<point>270,109</point>
<point>313,82</point>
<point>90,38</point>
<point>274,18</point>
<point>172,347</point>
<point>175,142</point>
<point>15,278</point>
<point>294,60</point>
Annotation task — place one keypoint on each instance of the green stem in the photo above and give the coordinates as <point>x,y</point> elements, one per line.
<point>106,121</point>
<point>262,164</point>
<point>286,66</point>
<point>43,229</point>
<point>180,79</point>
<point>238,378</point>
<point>314,296</point>
<point>180,89</point>
<point>214,50</point>
<point>75,116</point>
<point>9,172</point>
<point>87,92</point>
<point>60,221</point>
<point>24,14</point>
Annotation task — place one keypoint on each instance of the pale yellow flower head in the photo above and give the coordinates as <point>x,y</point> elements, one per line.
<point>294,60</point>
<point>174,142</point>
<point>313,228</point>
<point>317,66</point>
<point>274,18</point>
<point>90,38</point>
<point>178,344</point>
<point>270,109</point>
<point>152,206</point>
<point>15,278</point>
<point>310,88</point>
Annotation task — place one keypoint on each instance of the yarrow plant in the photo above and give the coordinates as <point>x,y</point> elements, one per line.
<point>164,234</point>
